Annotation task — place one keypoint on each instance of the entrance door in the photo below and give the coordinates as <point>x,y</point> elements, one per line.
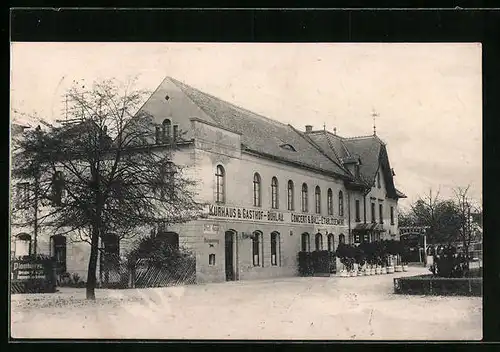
<point>229,256</point>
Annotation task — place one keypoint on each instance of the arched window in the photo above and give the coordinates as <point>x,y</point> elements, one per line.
<point>219,185</point>
<point>319,241</point>
<point>275,249</point>
<point>290,195</point>
<point>167,125</point>
<point>256,244</point>
<point>305,242</point>
<point>341,238</point>
<point>274,193</point>
<point>331,243</point>
<point>58,251</point>
<point>256,190</point>
<point>341,203</point>
<point>330,201</point>
<point>317,199</point>
<point>305,204</point>
<point>378,180</point>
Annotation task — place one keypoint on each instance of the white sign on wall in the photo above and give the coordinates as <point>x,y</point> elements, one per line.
<point>270,216</point>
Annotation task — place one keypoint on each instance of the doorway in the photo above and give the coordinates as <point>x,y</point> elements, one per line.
<point>229,257</point>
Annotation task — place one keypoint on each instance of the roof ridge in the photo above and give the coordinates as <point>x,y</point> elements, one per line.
<point>318,148</point>
<point>360,137</point>
<point>331,146</point>
<point>228,102</point>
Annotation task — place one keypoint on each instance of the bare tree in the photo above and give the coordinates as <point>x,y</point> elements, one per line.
<point>466,208</point>
<point>108,170</point>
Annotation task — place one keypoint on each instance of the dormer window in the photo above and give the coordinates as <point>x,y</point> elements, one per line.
<point>356,170</point>
<point>288,147</point>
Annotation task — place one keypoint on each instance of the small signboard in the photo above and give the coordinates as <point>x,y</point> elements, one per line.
<point>30,275</point>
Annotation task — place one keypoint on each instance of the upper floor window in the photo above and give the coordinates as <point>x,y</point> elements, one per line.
<point>330,201</point>
<point>220,184</point>
<point>373,213</point>
<point>22,194</point>
<point>57,188</point>
<point>317,199</point>
<point>341,203</point>
<point>290,195</point>
<point>256,190</point>
<point>356,170</point>
<point>378,180</point>
<point>166,126</point>
<point>381,213</point>
<point>392,215</point>
<point>305,204</point>
<point>274,193</point>
<point>357,211</point>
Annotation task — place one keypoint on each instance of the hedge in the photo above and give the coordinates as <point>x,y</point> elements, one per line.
<point>430,285</point>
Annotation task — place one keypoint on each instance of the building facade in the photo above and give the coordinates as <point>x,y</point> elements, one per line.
<point>270,189</point>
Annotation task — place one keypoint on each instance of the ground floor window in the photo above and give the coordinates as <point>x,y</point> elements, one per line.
<point>211,259</point>
<point>275,249</point>
<point>58,251</point>
<point>331,242</point>
<point>319,242</point>
<point>305,242</point>
<point>110,256</point>
<point>256,244</point>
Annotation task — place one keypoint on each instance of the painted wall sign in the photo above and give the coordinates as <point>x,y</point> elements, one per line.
<point>210,240</point>
<point>211,228</point>
<point>270,216</point>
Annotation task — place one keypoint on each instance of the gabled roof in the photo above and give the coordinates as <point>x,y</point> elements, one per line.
<point>259,134</point>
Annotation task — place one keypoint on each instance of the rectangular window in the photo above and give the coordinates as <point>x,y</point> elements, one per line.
<point>59,253</point>
<point>357,211</point>
<point>176,132</point>
<point>22,194</point>
<point>381,213</point>
<point>373,213</point>
<point>211,259</point>
<point>356,238</point>
<point>392,215</point>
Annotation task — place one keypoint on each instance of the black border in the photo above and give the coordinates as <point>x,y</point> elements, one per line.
<point>253,25</point>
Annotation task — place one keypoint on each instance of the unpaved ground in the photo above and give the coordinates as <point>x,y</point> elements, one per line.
<point>296,308</point>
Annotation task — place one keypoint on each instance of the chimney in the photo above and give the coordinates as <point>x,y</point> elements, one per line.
<point>335,131</point>
<point>309,128</point>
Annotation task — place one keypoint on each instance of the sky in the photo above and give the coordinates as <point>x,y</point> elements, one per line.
<point>428,96</point>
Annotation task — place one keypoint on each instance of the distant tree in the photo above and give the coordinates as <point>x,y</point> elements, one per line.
<point>106,172</point>
<point>440,216</point>
<point>468,231</point>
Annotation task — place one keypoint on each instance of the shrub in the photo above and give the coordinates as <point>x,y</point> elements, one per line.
<point>346,253</point>
<point>305,264</point>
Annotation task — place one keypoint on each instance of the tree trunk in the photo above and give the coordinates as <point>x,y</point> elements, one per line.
<point>92,268</point>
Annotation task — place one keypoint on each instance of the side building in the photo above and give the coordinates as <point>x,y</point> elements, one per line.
<point>271,190</point>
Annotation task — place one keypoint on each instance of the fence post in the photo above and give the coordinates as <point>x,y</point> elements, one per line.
<point>430,286</point>
<point>470,285</point>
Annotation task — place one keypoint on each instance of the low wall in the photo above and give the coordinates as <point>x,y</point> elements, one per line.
<point>429,285</point>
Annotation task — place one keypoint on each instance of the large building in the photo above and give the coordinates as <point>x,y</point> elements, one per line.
<point>272,189</point>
